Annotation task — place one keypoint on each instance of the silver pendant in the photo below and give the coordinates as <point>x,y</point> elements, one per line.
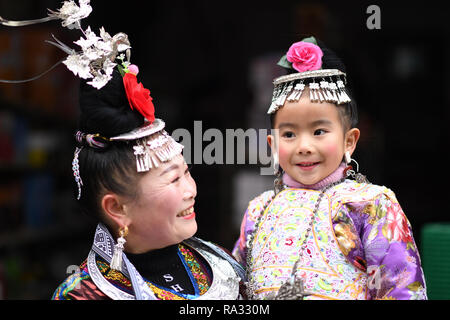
<point>360,178</point>
<point>293,289</point>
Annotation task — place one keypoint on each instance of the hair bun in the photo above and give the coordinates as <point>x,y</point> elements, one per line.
<point>330,60</point>
<point>107,111</point>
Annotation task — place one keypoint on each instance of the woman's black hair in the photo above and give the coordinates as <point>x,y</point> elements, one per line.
<point>106,111</point>
<point>348,112</point>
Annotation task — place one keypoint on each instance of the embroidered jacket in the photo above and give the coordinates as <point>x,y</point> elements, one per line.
<point>80,285</point>
<point>361,245</point>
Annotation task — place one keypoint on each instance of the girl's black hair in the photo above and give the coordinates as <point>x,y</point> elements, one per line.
<point>106,111</point>
<point>348,112</point>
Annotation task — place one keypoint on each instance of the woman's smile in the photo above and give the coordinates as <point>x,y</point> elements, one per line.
<point>187,214</point>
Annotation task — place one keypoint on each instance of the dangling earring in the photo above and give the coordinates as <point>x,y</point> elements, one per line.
<point>278,182</point>
<point>360,178</point>
<point>116,261</point>
<point>347,158</point>
<point>276,163</point>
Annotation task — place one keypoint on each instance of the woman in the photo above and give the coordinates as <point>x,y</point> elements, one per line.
<point>131,176</point>
<point>154,212</point>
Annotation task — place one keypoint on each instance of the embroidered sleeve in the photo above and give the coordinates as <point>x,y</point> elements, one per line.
<point>70,289</point>
<point>79,286</point>
<point>240,247</point>
<point>251,215</point>
<point>392,258</point>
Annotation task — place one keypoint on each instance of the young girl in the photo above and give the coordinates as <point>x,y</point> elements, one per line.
<point>320,235</point>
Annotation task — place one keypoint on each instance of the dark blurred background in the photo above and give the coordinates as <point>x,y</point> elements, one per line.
<point>214,61</point>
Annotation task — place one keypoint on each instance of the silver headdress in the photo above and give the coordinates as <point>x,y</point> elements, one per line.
<point>325,85</point>
<point>153,145</point>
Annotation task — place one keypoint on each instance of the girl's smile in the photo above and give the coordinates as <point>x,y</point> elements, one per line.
<point>307,165</point>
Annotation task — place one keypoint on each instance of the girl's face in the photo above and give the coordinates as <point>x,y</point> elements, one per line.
<point>310,140</point>
<point>163,213</point>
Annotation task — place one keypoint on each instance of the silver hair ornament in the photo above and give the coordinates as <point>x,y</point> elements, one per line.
<point>76,171</point>
<point>96,59</point>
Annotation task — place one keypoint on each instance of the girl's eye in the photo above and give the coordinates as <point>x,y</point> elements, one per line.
<point>319,132</point>
<point>288,134</point>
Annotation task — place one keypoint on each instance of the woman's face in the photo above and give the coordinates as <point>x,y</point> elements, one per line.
<point>163,212</point>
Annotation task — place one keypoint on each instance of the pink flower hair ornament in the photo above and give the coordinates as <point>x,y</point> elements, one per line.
<point>303,56</point>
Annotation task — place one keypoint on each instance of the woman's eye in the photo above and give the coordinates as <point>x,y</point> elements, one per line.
<point>175,180</point>
<point>186,172</point>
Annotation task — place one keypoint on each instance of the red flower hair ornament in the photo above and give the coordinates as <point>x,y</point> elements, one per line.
<point>138,96</point>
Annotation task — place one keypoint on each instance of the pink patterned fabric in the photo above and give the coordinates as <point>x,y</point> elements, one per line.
<point>368,227</point>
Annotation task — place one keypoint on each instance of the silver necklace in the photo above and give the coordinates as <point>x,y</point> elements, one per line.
<point>293,288</point>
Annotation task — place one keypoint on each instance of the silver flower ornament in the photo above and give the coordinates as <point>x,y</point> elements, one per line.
<point>71,14</point>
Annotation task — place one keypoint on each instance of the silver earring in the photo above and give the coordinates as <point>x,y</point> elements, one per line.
<point>278,172</point>
<point>276,163</point>
<point>347,157</point>
<point>349,172</point>
<point>116,261</point>
<point>278,185</point>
